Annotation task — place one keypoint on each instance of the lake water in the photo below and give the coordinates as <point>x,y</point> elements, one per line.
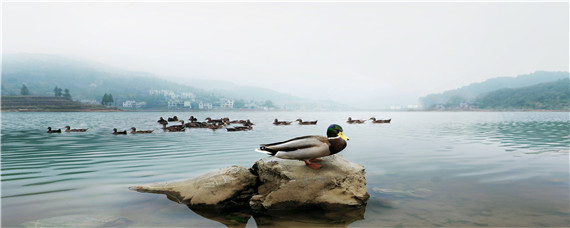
<point>423,169</point>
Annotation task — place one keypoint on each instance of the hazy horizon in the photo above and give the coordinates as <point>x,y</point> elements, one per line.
<point>362,54</point>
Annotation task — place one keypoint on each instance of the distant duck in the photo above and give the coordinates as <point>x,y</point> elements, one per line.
<point>134,131</point>
<point>193,119</point>
<point>301,122</point>
<point>196,125</point>
<point>239,128</point>
<point>248,123</point>
<point>162,121</point>
<point>53,131</point>
<point>115,132</point>
<point>380,121</point>
<point>210,120</point>
<point>173,119</point>
<point>308,148</point>
<point>68,129</point>
<point>175,128</point>
<point>215,126</point>
<point>351,121</point>
<point>277,122</point>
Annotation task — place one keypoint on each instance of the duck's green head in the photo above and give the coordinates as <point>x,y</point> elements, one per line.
<point>335,130</point>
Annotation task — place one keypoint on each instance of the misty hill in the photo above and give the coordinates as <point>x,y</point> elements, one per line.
<point>469,93</point>
<point>90,81</point>
<point>551,96</point>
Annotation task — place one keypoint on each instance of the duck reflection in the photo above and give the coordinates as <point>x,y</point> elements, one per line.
<point>297,218</point>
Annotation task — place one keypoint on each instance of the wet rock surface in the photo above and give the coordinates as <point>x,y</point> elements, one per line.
<point>272,184</point>
<point>225,188</point>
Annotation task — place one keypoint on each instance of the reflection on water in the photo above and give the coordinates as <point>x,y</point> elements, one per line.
<point>302,218</point>
<point>423,169</point>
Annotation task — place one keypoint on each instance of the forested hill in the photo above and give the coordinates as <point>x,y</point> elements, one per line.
<point>551,96</point>
<point>88,81</point>
<point>467,96</point>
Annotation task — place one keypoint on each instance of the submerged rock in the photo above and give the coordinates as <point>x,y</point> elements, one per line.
<point>272,184</point>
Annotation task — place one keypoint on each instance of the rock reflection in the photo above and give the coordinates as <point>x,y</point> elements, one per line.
<point>297,218</point>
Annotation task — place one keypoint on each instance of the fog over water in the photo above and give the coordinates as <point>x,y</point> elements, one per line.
<point>381,53</point>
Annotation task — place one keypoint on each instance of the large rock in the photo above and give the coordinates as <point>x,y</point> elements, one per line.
<point>225,188</point>
<point>272,184</point>
<point>289,184</point>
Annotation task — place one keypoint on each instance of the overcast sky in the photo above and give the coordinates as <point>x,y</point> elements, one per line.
<point>382,53</point>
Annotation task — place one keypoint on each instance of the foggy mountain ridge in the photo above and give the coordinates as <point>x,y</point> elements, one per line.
<point>472,91</point>
<point>87,80</point>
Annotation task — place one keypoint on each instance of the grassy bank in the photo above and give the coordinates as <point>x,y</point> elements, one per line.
<point>47,104</point>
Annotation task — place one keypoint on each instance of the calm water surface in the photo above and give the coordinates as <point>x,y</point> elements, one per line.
<point>423,169</point>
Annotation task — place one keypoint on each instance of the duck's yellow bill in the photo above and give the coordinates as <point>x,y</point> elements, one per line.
<point>342,136</point>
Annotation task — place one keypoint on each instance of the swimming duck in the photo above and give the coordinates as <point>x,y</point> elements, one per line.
<point>248,123</point>
<point>68,129</point>
<point>380,121</point>
<point>115,132</point>
<point>239,128</point>
<point>301,122</point>
<point>351,121</point>
<point>308,148</point>
<point>192,119</point>
<point>134,131</point>
<point>173,119</point>
<point>162,121</point>
<point>210,120</point>
<point>175,128</point>
<point>215,126</point>
<point>277,122</point>
<point>53,131</point>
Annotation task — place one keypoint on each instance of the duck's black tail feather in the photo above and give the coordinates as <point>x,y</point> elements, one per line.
<point>265,150</point>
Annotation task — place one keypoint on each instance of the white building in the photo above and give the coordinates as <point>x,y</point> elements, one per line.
<point>129,104</point>
<point>133,104</point>
<point>187,104</point>
<point>202,105</point>
<point>227,103</point>
<point>175,103</point>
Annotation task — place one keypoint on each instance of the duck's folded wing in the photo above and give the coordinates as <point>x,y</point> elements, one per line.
<point>297,143</point>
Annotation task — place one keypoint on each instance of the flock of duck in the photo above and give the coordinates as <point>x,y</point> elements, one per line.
<point>305,148</point>
<point>210,123</point>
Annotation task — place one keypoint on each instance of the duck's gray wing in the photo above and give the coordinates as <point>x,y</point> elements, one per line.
<point>297,143</point>
<point>301,148</point>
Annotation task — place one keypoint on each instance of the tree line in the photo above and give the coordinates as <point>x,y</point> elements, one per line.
<point>58,92</point>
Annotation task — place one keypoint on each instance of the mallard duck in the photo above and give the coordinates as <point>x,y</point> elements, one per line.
<point>239,128</point>
<point>115,132</point>
<point>68,129</point>
<point>175,128</point>
<point>210,120</point>
<point>351,121</point>
<point>173,119</point>
<point>162,121</point>
<point>277,122</point>
<point>53,131</point>
<point>301,122</point>
<point>248,123</point>
<point>134,131</point>
<point>308,148</point>
<point>380,121</point>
